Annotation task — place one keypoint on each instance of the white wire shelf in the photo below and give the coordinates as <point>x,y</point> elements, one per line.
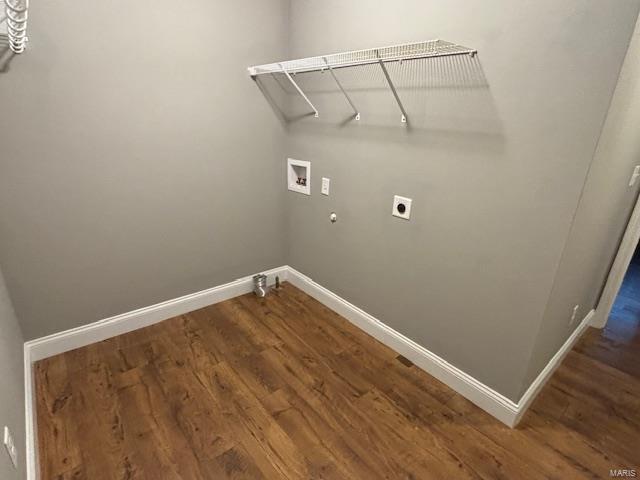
<point>14,17</point>
<point>407,51</point>
<point>380,55</point>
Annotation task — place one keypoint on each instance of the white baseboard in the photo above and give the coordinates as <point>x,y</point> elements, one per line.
<point>57,343</point>
<point>486,398</point>
<point>110,327</point>
<point>31,452</point>
<point>544,376</point>
<point>492,402</point>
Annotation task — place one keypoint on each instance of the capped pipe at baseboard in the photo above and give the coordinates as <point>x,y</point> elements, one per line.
<point>260,287</point>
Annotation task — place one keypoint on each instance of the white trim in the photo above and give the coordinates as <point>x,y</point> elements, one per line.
<point>494,403</point>
<point>31,452</point>
<point>491,401</point>
<point>544,376</point>
<point>618,269</point>
<point>486,398</point>
<point>57,343</point>
<point>143,317</point>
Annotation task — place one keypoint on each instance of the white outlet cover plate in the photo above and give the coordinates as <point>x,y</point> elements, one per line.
<point>397,200</point>
<point>11,447</point>
<point>574,314</point>
<point>634,176</point>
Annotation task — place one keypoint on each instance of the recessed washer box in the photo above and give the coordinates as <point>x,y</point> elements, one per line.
<point>299,176</point>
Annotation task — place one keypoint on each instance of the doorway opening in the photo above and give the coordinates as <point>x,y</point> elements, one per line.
<point>626,306</point>
<point>622,330</point>
<point>618,311</point>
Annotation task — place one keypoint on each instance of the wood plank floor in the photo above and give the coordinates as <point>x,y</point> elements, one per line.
<point>282,387</point>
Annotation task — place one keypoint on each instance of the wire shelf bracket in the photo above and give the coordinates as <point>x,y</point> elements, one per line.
<point>403,118</point>
<point>346,95</point>
<point>293,82</point>
<point>371,56</point>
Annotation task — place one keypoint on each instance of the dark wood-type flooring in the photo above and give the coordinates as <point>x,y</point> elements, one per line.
<point>282,387</point>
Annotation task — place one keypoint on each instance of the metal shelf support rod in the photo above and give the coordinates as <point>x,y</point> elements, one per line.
<point>403,119</point>
<point>300,91</point>
<point>346,95</point>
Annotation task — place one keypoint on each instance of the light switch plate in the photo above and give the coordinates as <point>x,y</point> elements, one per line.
<point>11,447</point>
<point>401,207</point>
<point>326,183</point>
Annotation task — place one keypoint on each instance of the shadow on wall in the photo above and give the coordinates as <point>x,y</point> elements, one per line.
<point>6,55</point>
<point>444,97</point>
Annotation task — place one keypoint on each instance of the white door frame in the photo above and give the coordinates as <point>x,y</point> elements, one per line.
<point>618,269</point>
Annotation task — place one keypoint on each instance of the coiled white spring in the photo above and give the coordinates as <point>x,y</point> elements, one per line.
<point>16,17</point>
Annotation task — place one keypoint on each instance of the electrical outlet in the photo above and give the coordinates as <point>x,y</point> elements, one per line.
<point>634,176</point>
<point>11,447</point>
<point>574,314</point>
<point>401,207</point>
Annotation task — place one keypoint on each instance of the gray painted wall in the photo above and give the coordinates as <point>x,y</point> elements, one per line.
<point>138,165</point>
<point>601,218</point>
<point>138,162</point>
<point>12,391</point>
<point>495,171</point>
